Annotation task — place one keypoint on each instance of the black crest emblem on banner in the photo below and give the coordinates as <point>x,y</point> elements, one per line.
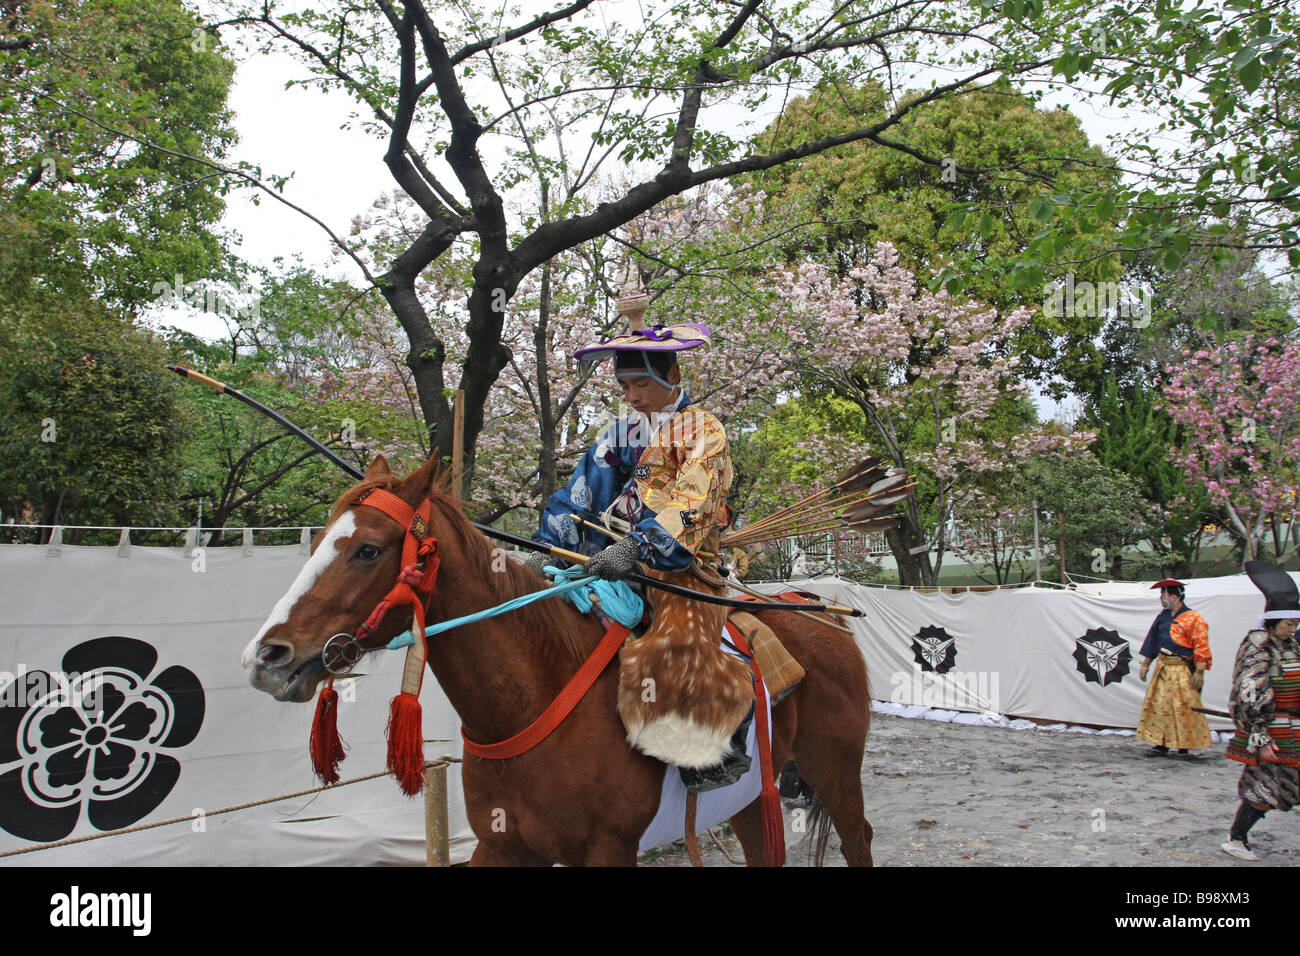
<point>1102,656</point>
<point>934,649</point>
<point>92,740</point>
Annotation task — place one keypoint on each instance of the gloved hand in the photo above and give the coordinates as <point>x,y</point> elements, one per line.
<point>1146,666</point>
<point>616,561</point>
<point>1198,679</point>
<point>536,561</point>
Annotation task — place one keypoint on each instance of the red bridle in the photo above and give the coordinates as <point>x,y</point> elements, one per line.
<point>414,586</point>
<point>415,581</point>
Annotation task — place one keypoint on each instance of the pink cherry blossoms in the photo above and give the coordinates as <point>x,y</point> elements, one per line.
<point>917,363</point>
<point>1240,411</point>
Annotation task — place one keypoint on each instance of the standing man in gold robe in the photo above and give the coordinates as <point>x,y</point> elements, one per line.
<point>1179,644</point>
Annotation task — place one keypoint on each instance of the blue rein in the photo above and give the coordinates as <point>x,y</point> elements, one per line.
<point>618,601</point>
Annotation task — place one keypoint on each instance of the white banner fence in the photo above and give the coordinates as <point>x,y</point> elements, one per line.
<point>157,633</point>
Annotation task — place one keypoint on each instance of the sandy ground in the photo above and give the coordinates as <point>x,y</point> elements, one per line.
<point>942,794</point>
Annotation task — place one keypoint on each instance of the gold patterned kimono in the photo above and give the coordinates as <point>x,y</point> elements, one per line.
<point>680,696</point>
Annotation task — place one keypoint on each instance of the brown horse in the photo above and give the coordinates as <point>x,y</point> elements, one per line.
<point>583,796</point>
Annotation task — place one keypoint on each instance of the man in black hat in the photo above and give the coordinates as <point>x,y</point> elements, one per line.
<point>1179,642</point>
<point>1265,708</point>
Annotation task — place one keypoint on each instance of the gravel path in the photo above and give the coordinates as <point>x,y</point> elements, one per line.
<point>942,794</point>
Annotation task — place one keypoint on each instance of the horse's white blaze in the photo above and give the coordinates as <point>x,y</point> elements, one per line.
<point>306,579</point>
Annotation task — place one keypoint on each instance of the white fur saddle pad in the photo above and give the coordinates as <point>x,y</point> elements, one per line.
<point>712,806</point>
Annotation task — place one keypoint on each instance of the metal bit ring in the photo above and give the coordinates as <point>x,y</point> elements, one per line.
<point>347,653</point>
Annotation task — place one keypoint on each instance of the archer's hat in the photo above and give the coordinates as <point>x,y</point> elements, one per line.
<point>661,338</point>
<point>640,343</point>
<point>1281,597</point>
<point>1168,583</point>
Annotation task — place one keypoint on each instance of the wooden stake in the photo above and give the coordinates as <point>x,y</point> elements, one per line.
<point>437,837</point>
<point>458,445</point>
<point>1061,546</point>
<point>1038,571</point>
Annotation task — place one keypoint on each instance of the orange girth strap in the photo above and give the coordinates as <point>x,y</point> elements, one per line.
<point>560,708</point>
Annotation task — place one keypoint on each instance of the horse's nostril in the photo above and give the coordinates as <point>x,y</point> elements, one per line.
<point>274,655</point>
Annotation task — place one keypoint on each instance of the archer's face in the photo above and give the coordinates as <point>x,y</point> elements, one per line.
<point>1285,629</point>
<point>645,394</point>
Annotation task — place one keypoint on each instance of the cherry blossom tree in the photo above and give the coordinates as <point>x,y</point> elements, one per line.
<point>1240,414</point>
<point>933,379</point>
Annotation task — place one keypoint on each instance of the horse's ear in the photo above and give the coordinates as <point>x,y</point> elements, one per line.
<point>378,468</point>
<point>424,477</point>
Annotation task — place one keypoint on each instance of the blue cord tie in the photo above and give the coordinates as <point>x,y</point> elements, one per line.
<point>617,600</point>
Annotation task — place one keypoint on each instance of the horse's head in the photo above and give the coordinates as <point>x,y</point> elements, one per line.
<point>355,561</point>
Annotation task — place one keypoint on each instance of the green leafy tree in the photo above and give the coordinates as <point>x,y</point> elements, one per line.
<point>91,431</point>
<point>442,82</point>
<point>1101,510</point>
<point>1135,437</point>
<point>1208,158</point>
<point>114,115</point>
<point>321,352</point>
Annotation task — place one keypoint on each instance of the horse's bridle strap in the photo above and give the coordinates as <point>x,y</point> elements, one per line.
<point>419,566</point>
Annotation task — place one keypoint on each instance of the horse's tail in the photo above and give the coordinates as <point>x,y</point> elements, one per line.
<point>795,787</point>
<point>819,828</point>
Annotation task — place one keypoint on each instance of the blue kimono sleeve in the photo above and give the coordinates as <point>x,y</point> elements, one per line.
<point>1151,646</point>
<point>595,483</point>
<point>659,549</point>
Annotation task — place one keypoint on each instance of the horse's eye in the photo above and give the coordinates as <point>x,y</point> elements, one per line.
<point>366,552</point>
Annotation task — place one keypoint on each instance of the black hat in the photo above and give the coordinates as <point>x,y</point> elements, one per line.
<point>1281,597</point>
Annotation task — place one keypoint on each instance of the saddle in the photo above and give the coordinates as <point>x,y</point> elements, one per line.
<point>781,672</point>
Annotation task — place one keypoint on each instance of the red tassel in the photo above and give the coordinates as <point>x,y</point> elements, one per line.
<point>406,743</point>
<point>773,826</point>
<point>325,746</point>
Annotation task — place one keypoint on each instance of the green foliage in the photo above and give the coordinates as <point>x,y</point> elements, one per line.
<point>1102,507</point>
<point>1135,437</point>
<point>90,427</point>
<point>241,468</point>
<point>996,168</point>
<point>309,349</point>
<point>1218,166</point>
<point>103,103</point>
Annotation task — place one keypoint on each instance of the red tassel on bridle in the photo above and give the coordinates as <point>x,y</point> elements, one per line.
<point>326,746</point>
<point>413,587</point>
<point>406,743</point>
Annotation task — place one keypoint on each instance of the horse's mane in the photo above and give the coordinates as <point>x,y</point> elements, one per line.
<point>475,549</point>
<point>512,581</point>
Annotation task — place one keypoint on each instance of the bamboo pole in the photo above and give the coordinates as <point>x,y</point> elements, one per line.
<point>1038,571</point>
<point>1061,545</point>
